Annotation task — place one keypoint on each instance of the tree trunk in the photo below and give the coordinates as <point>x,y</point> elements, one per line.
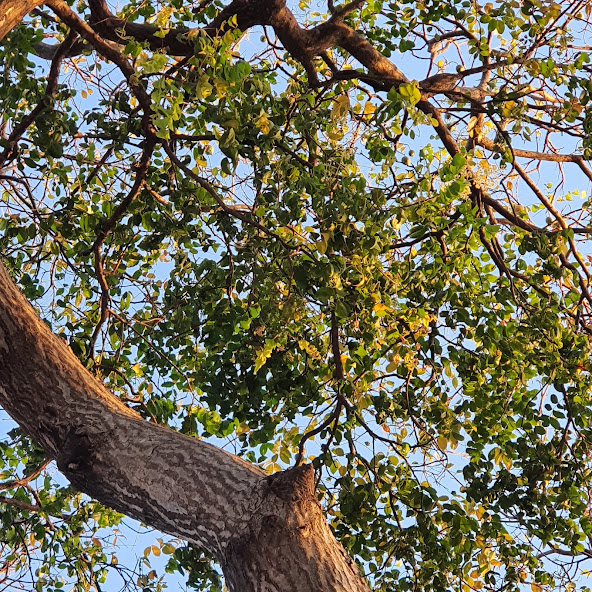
<point>12,13</point>
<point>267,532</point>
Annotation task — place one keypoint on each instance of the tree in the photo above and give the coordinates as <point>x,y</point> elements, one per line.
<point>353,251</point>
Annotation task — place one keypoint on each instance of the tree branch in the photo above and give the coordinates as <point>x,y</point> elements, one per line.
<point>70,18</point>
<point>105,449</point>
<point>12,13</point>
<point>52,83</point>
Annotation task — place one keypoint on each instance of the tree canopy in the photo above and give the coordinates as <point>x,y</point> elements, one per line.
<point>352,235</point>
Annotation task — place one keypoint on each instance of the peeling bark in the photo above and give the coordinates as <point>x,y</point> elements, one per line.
<point>268,533</point>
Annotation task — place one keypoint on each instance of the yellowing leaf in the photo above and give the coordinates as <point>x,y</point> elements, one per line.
<point>228,37</point>
<point>340,108</point>
<point>263,354</point>
<point>263,123</point>
<point>231,123</point>
<point>203,88</point>
<point>380,309</point>
<point>410,93</point>
<point>310,349</point>
<point>221,86</point>
<point>164,15</point>
<point>243,428</point>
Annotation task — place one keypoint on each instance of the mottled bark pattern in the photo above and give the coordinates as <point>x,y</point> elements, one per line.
<point>288,545</point>
<point>268,533</point>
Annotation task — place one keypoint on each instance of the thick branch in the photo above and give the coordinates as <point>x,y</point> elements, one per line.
<point>175,483</point>
<point>175,41</point>
<point>12,13</point>
<point>268,533</point>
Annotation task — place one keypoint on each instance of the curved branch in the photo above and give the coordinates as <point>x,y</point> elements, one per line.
<point>268,533</point>
<point>105,449</point>
<point>70,18</point>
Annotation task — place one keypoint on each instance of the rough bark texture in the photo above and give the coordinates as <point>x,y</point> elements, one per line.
<point>12,13</point>
<point>268,533</point>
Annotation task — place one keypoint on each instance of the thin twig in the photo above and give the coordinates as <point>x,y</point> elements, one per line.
<point>52,83</point>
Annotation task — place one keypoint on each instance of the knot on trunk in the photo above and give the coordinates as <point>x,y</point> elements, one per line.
<point>288,513</point>
<point>75,458</point>
<point>287,544</point>
<point>295,484</point>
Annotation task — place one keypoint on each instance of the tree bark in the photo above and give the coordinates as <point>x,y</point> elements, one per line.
<point>12,13</point>
<point>267,532</point>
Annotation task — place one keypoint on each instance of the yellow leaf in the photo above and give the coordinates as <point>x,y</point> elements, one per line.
<point>163,16</point>
<point>263,123</point>
<point>336,135</point>
<point>380,309</point>
<point>228,37</point>
<point>243,428</point>
<point>410,92</point>
<point>340,108</point>
<point>264,354</point>
<point>310,349</point>
<point>221,86</point>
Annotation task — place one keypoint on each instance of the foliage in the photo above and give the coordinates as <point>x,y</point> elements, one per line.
<point>305,255</point>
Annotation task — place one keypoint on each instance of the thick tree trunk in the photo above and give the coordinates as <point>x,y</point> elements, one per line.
<point>12,13</point>
<point>268,533</point>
